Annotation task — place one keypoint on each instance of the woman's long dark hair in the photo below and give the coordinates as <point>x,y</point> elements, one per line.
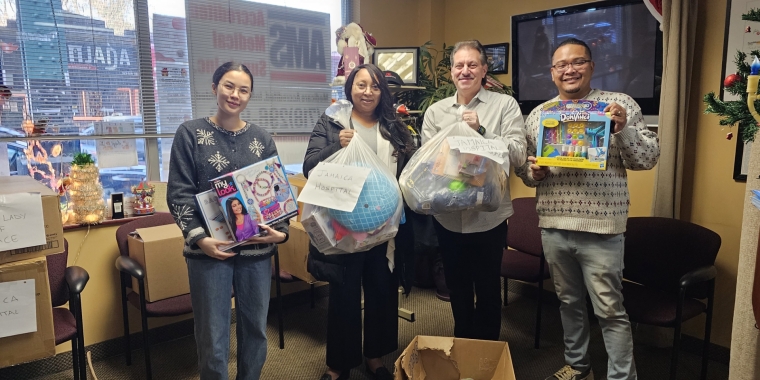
<point>391,128</point>
<point>228,206</point>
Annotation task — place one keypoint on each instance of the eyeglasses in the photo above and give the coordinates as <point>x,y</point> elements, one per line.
<point>229,89</point>
<point>577,64</point>
<point>361,86</point>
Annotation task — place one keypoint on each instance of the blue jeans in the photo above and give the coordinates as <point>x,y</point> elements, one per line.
<point>582,262</point>
<point>211,284</point>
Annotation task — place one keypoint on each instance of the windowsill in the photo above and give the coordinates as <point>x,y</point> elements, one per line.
<point>107,222</point>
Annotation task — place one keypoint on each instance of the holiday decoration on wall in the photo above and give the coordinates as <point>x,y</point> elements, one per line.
<point>86,191</point>
<point>736,112</point>
<point>143,195</point>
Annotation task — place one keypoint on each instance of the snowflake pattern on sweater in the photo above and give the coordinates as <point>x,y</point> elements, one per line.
<point>590,200</point>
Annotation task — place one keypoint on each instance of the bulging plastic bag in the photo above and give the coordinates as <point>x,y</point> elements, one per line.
<point>375,217</point>
<point>440,179</point>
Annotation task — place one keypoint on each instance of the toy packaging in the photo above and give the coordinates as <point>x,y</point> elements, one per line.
<point>439,179</point>
<point>256,194</point>
<point>213,216</point>
<point>574,134</point>
<point>375,217</point>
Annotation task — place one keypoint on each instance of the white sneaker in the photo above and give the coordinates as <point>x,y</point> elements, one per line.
<point>568,373</point>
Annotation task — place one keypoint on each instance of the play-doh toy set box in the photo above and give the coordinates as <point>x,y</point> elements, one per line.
<point>574,134</point>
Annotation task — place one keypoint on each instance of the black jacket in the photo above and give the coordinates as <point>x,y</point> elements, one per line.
<point>323,143</point>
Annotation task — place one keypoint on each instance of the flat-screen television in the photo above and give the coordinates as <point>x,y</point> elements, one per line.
<point>625,41</point>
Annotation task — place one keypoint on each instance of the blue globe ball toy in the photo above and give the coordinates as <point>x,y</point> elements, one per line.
<point>377,202</point>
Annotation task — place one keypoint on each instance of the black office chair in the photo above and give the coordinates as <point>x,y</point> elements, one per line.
<point>669,268</point>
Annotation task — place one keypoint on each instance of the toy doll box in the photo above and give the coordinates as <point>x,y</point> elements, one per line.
<point>260,192</point>
<point>573,134</point>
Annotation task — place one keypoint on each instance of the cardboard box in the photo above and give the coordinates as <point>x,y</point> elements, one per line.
<point>31,346</point>
<point>159,250</point>
<point>294,253</point>
<point>574,134</point>
<point>51,210</point>
<point>297,182</point>
<point>444,358</point>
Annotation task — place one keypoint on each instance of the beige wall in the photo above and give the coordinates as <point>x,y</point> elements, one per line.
<point>711,197</point>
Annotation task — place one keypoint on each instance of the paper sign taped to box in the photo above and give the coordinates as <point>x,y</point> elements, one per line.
<point>21,222</point>
<point>18,309</point>
<point>493,149</point>
<point>334,186</point>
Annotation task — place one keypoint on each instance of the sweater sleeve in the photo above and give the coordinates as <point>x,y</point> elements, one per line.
<point>182,187</point>
<point>320,147</point>
<point>523,171</point>
<point>512,133</point>
<point>639,147</point>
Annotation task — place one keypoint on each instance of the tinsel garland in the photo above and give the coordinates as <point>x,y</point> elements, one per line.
<point>87,194</point>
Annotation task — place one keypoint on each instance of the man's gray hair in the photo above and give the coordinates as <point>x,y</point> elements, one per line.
<point>470,44</point>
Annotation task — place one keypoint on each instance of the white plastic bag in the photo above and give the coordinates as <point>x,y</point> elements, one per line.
<point>439,179</point>
<point>375,217</point>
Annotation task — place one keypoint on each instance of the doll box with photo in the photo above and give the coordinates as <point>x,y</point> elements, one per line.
<point>573,134</point>
<point>256,194</point>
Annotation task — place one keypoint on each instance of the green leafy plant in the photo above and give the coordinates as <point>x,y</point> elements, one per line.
<point>82,159</point>
<point>434,74</point>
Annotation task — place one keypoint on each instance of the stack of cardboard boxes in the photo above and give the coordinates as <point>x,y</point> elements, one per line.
<point>24,284</point>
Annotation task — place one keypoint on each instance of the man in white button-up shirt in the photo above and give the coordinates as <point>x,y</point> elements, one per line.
<point>471,242</point>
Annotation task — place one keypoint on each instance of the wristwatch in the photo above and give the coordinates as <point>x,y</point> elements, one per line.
<point>482,130</point>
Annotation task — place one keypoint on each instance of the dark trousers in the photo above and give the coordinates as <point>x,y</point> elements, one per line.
<point>344,314</point>
<point>474,260</point>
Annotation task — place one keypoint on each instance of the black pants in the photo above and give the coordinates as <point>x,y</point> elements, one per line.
<point>344,314</point>
<point>469,260</point>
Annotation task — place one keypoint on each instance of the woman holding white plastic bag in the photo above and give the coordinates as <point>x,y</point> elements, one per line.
<point>372,117</point>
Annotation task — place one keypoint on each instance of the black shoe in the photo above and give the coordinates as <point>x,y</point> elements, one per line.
<point>381,373</point>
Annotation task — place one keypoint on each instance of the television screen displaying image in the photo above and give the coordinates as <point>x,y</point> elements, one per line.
<point>625,42</point>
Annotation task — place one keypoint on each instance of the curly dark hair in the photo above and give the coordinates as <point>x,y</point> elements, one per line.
<point>391,128</point>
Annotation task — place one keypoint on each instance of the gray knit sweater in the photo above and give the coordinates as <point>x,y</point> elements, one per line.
<point>202,151</point>
<point>593,200</point>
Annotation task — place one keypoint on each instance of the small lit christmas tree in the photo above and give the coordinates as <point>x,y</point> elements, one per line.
<point>736,112</point>
<point>86,191</point>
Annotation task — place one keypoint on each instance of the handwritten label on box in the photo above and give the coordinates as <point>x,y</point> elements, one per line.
<point>493,149</point>
<point>18,309</point>
<point>334,186</point>
<point>21,221</point>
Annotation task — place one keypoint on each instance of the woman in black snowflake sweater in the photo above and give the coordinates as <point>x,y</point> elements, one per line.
<point>204,149</point>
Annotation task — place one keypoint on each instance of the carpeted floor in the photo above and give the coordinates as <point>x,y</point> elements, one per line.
<point>304,354</point>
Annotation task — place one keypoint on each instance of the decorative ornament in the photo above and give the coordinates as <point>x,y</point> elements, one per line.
<point>731,80</point>
<point>729,135</point>
<point>143,194</point>
<point>748,29</point>
<point>85,190</point>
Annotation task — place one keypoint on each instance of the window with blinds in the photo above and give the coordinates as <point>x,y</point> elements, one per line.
<point>86,75</point>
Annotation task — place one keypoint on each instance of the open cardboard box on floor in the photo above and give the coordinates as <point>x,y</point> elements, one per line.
<point>51,212</point>
<point>25,347</point>
<point>159,250</point>
<point>446,358</point>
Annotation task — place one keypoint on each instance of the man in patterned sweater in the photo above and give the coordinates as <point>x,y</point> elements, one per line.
<point>583,214</point>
